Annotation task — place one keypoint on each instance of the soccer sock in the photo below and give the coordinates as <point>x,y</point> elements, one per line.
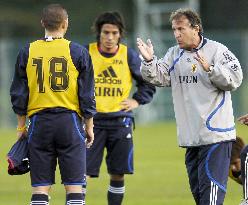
<point>84,191</point>
<point>116,192</point>
<point>39,199</point>
<point>75,199</point>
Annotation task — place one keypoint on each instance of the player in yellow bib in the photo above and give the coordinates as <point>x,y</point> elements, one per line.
<point>115,67</point>
<point>53,86</point>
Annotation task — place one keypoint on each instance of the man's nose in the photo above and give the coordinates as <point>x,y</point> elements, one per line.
<point>110,36</point>
<point>177,34</point>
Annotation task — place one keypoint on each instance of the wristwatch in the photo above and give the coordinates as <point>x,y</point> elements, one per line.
<point>210,69</point>
<point>148,61</point>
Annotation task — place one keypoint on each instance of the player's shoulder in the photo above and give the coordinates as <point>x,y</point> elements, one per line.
<point>215,44</point>
<point>78,49</point>
<point>91,45</point>
<point>175,48</point>
<point>131,52</point>
<point>76,46</point>
<point>244,151</point>
<point>24,51</point>
<point>174,52</point>
<point>78,53</point>
<point>87,46</point>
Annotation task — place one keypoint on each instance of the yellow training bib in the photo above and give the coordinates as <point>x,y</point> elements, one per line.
<point>52,76</point>
<point>113,80</point>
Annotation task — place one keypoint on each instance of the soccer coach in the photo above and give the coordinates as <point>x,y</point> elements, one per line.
<point>201,73</point>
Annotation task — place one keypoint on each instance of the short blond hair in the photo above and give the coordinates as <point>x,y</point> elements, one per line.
<point>53,16</point>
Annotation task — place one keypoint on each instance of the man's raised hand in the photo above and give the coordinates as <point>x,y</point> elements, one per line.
<point>243,119</point>
<point>145,49</point>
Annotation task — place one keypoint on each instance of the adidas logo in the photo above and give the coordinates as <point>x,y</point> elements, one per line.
<point>109,72</point>
<point>108,76</point>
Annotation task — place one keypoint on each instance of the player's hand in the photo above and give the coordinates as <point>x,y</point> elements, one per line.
<point>89,137</point>
<point>89,131</point>
<point>129,104</point>
<point>145,49</point>
<point>243,119</point>
<point>21,134</point>
<point>201,59</point>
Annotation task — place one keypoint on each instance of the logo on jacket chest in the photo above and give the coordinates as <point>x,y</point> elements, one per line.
<point>187,75</point>
<point>188,79</point>
<point>108,76</point>
<point>107,83</point>
<point>193,68</point>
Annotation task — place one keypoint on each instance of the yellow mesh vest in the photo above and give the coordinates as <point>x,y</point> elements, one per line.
<point>113,80</point>
<point>52,76</point>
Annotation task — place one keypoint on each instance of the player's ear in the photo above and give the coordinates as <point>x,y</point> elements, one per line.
<point>65,24</point>
<point>197,27</point>
<point>42,23</point>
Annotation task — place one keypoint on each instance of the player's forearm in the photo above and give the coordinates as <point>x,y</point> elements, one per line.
<point>226,74</point>
<point>144,93</point>
<point>243,119</point>
<point>21,121</point>
<point>155,72</point>
<point>89,123</point>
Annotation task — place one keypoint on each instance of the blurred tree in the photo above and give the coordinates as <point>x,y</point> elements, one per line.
<point>224,14</point>
<point>22,18</point>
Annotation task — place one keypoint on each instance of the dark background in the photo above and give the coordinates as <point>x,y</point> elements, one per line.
<point>20,18</point>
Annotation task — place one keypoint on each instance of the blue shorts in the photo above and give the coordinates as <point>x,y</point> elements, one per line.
<point>118,142</point>
<point>208,168</point>
<point>57,137</point>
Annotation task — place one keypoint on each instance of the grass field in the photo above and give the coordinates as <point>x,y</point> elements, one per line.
<point>160,175</point>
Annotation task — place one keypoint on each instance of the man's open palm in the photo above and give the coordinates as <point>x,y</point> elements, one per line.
<point>145,49</point>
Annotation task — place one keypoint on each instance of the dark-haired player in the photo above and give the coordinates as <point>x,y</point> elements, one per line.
<point>115,68</point>
<point>239,166</point>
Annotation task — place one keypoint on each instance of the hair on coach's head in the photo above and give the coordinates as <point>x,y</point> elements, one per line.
<point>53,15</point>
<point>192,16</point>
<point>109,17</point>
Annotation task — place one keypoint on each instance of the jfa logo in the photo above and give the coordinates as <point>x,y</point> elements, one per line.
<point>118,62</point>
<point>193,68</point>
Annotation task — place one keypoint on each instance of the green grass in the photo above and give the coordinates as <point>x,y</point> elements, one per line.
<point>160,175</point>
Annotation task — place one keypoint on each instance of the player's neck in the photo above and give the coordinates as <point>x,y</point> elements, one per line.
<point>196,42</point>
<point>54,34</point>
<point>103,49</point>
